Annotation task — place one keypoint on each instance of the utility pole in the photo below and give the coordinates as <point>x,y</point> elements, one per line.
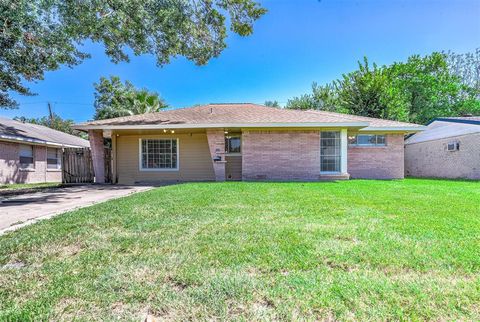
<point>50,113</point>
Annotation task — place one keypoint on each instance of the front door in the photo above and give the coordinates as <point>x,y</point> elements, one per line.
<point>330,150</point>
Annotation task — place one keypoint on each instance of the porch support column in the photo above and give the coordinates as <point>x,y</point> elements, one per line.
<point>344,151</point>
<point>98,154</point>
<point>216,143</point>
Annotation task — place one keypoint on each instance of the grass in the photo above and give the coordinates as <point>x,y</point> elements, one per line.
<point>26,186</point>
<point>353,250</point>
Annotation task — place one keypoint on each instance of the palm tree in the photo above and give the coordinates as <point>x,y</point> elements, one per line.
<point>143,101</point>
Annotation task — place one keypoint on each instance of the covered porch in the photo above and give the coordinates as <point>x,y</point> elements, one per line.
<point>220,154</point>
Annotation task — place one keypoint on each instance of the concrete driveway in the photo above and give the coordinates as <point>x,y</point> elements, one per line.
<point>19,210</point>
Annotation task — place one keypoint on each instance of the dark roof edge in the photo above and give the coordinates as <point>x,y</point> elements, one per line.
<point>446,119</point>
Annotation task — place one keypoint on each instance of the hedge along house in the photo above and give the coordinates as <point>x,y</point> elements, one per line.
<point>248,142</point>
<point>31,153</point>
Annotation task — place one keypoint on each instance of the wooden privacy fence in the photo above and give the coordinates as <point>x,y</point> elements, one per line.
<point>108,165</point>
<point>77,165</point>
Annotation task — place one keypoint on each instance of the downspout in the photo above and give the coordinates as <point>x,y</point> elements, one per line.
<point>46,163</point>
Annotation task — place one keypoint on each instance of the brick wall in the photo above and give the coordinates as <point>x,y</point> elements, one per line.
<point>378,162</point>
<point>11,173</point>
<point>280,155</point>
<point>431,158</point>
<point>98,154</point>
<point>216,145</point>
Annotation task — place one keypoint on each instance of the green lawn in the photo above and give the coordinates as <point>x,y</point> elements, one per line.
<point>353,250</point>
<point>26,186</point>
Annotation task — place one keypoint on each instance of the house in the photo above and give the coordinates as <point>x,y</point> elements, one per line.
<point>248,142</point>
<point>31,153</point>
<point>448,148</point>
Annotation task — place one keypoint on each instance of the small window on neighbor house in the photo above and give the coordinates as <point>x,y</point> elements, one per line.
<point>233,144</point>
<point>53,159</point>
<point>453,146</point>
<point>367,140</point>
<point>26,157</point>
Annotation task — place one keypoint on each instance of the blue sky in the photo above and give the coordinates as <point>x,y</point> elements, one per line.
<point>295,43</point>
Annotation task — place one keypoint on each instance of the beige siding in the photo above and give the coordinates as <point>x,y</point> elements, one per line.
<point>233,167</point>
<point>195,163</point>
<point>431,158</point>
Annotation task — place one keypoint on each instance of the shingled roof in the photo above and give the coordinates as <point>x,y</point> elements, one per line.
<point>11,130</point>
<point>244,115</point>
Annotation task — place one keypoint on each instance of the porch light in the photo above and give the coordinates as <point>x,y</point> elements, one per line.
<point>172,131</point>
<point>164,131</point>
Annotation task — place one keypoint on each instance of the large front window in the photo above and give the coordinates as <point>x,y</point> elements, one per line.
<point>26,157</point>
<point>330,152</point>
<point>159,154</point>
<point>54,161</point>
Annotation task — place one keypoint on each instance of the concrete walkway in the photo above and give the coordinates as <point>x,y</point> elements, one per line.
<point>25,209</point>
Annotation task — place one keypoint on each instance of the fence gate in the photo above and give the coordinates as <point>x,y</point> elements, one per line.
<point>77,165</point>
<point>108,165</point>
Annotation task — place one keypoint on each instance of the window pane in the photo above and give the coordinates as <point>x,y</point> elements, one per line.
<point>26,151</point>
<point>330,152</point>
<point>159,154</point>
<point>26,162</point>
<point>380,139</point>
<point>233,145</point>
<point>365,139</point>
<point>52,153</point>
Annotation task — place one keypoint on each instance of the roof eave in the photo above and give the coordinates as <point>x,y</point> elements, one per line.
<point>33,141</point>
<point>410,129</point>
<point>222,125</point>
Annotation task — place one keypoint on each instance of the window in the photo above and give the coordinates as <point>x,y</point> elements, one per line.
<point>53,159</point>
<point>367,140</point>
<point>26,157</point>
<point>453,146</point>
<point>159,154</point>
<point>330,152</point>
<point>233,144</point>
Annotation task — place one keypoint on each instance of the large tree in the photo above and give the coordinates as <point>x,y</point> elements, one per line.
<point>417,90</point>
<point>113,98</point>
<point>41,35</point>
<point>322,98</point>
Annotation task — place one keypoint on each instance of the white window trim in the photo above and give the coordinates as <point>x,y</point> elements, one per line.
<point>32,167</point>
<point>58,158</point>
<point>142,169</point>
<point>369,145</point>
<point>232,154</point>
<point>341,156</point>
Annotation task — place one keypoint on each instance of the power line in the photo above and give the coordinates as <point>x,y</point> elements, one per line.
<point>56,102</point>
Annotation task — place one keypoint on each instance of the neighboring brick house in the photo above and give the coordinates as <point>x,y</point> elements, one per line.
<point>248,142</point>
<point>31,153</point>
<point>448,148</point>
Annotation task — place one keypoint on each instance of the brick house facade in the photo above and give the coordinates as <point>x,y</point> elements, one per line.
<point>250,142</point>
<point>39,146</point>
<point>448,148</point>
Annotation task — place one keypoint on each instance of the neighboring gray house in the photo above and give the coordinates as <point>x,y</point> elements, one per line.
<point>31,153</point>
<point>448,148</point>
